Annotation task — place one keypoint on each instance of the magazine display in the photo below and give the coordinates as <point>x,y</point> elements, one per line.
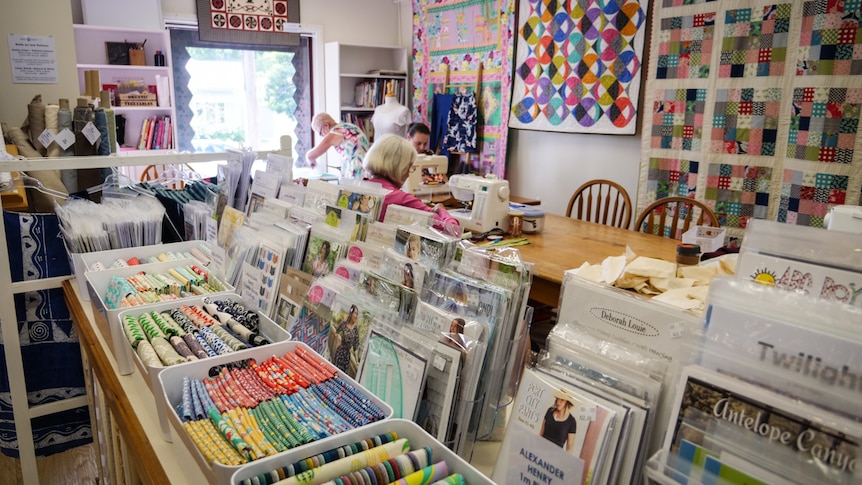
<point>556,432</point>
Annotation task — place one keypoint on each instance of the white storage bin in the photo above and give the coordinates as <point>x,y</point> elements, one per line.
<point>125,355</point>
<point>171,383</point>
<point>83,262</point>
<point>417,436</point>
<point>708,238</point>
<point>97,285</point>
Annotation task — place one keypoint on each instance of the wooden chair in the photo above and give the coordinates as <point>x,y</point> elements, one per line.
<point>676,208</point>
<point>601,201</point>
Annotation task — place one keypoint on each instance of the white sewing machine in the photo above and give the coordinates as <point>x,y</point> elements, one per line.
<point>490,202</point>
<point>428,176</point>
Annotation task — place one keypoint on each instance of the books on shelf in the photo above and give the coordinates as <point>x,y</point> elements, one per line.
<point>369,94</point>
<point>363,121</point>
<point>156,133</point>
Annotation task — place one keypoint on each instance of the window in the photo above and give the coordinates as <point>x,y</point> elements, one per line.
<point>237,95</point>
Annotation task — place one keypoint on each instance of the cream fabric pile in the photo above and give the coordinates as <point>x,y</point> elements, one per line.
<point>681,286</point>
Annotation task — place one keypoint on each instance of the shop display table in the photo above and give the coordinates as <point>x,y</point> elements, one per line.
<point>566,243</point>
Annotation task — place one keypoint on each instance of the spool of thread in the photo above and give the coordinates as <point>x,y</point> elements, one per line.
<point>36,123</point>
<point>83,115</point>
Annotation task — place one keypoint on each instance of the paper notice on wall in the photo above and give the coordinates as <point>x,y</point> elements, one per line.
<point>33,59</point>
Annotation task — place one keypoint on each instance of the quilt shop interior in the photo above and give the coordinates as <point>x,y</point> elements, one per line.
<point>553,290</point>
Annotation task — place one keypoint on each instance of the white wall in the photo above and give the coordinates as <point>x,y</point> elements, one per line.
<point>350,21</point>
<point>41,18</point>
<point>550,166</point>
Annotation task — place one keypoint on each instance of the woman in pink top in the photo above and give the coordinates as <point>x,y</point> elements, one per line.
<point>388,163</point>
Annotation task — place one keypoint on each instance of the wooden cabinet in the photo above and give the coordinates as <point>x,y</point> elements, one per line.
<point>92,53</point>
<point>356,77</point>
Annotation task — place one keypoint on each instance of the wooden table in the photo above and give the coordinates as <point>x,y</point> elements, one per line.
<point>566,243</point>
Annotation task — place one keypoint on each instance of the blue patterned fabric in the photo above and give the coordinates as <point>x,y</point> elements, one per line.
<point>50,351</point>
<point>462,124</point>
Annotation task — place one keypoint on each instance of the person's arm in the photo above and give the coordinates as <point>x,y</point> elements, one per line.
<point>330,140</point>
<point>399,197</point>
<point>570,442</point>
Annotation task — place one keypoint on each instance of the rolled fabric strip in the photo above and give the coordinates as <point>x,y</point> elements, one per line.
<point>234,343</point>
<point>186,409</point>
<point>230,434</point>
<point>215,343</point>
<point>453,479</point>
<point>133,331</point>
<point>170,322</point>
<point>150,327</point>
<point>426,476</point>
<point>195,346</point>
<point>166,328</point>
<point>337,468</point>
<point>166,352</point>
<point>119,264</point>
<point>148,354</point>
<point>203,343</point>
<point>182,348</point>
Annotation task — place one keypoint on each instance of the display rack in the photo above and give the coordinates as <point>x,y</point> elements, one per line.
<point>22,412</point>
<point>91,52</point>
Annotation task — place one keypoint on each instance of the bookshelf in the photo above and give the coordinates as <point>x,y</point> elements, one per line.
<point>92,55</point>
<point>347,66</point>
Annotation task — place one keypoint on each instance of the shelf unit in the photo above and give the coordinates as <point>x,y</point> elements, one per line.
<point>346,65</point>
<point>92,55</point>
<point>21,410</point>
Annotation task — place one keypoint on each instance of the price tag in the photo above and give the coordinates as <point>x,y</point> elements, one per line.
<point>45,138</point>
<point>91,133</point>
<point>211,231</point>
<point>587,412</point>
<point>65,138</point>
<point>439,363</point>
<point>676,330</point>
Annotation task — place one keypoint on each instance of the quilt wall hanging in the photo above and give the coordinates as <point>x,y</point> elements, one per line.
<point>753,108</point>
<point>578,65</point>
<point>459,36</point>
<point>248,21</point>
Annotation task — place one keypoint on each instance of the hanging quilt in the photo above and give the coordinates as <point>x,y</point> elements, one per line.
<point>578,66</point>
<point>458,35</point>
<point>776,136</point>
<point>248,21</point>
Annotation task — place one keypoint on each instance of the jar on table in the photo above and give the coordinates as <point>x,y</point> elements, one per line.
<point>687,254</point>
<point>516,223</point>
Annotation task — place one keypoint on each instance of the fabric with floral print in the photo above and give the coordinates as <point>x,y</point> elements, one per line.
<point>461,131</point>
<point>352,149</point>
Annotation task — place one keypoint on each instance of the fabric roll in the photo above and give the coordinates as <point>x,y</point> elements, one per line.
<point>64,122</point>
<point>104,143</point>
<point>105,102</point>
<point>426,476</point>
<point>133,331</point>
<point>52,123</point>
<point>83,115</point>
<point>35,123</point>
<point>453,479</point>
<point>195,346</point>
<point>337,468</point>
<point>166,352</point>
<point>148,354</point>
<point>182,348</point>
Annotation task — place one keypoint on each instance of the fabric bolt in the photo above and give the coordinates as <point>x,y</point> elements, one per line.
<point>104,142</point>
<point>462,124</point>
<point>440,107</point>
<point>51,124</point>
<point>81,116</point>
<point>195,346</point>
<point>35,123</point>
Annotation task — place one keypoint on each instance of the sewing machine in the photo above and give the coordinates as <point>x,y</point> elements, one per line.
<point>428,176</point>
<point>489,208</point>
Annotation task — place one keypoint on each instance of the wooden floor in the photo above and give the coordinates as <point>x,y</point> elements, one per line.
<point>72,467</point>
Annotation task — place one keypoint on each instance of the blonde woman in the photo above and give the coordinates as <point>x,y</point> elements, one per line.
<point>388,163</point>
<point>346,138</point>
